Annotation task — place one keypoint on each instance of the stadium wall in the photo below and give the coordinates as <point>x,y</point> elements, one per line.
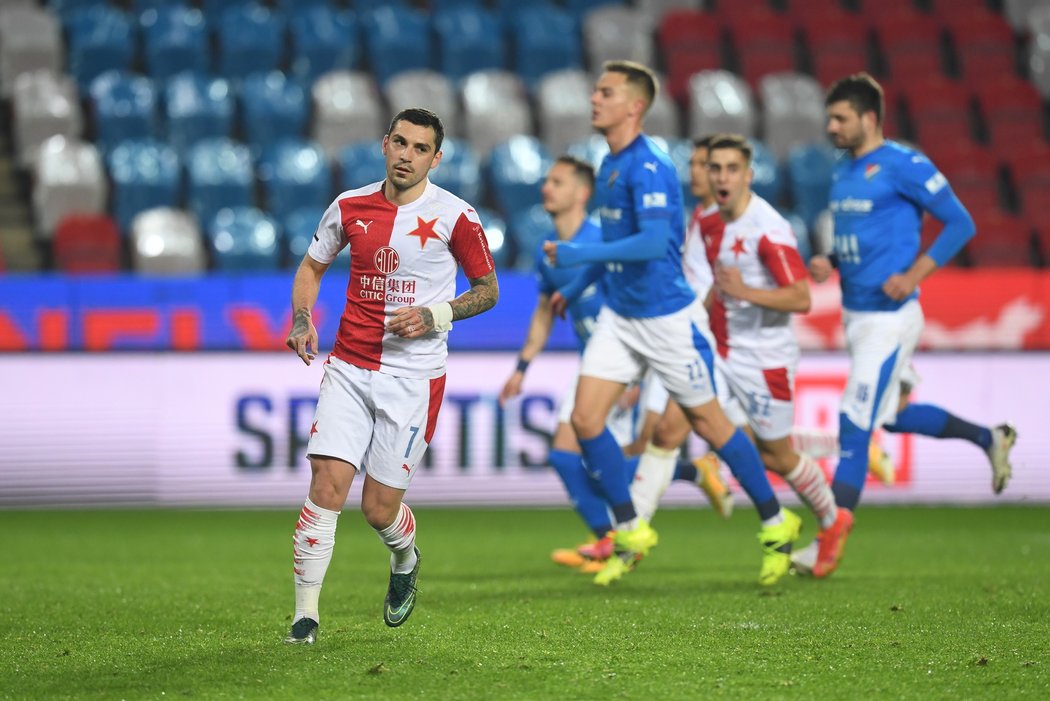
<point>229,429</point>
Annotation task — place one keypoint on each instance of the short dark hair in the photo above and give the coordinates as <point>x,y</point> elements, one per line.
<point>862,92</point>
<point>638,75</point>
<point>704,141</point>
<point>421,118</point>
<point>733,141</point>
<point>583,170</point>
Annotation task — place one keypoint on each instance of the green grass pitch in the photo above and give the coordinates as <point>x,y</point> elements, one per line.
<point>942,603</point>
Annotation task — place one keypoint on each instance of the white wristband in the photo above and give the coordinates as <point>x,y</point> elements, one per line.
<point>442,316</point>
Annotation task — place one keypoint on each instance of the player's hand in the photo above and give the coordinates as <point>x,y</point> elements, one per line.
<point>550,249</point>
<point>511,388</point>
<point>820,268</point>
<point>730,282</point>
<point>898,287</point>
<point>303,337</point>
<point>559,305</point>
<point>411,322</point>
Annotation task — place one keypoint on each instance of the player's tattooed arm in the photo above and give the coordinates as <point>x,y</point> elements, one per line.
<point>482,296</point>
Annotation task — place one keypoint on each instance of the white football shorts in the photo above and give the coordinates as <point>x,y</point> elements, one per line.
<point>622,423</point>
<point>678,347</point>
<point>881,346</point>
<point>760,397</point>
<point>377,422</point>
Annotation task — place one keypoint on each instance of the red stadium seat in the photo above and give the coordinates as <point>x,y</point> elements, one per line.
<point>837,43</point>
<point>86,243</point>
<point>1002,240</point>
<point>1041,230</point>
<point>1012,110</point>
<point>1030,175</point>
<point>939,110</point>
<point>764,43</point>
<point>984,44</point>
<point>910,43</point>
<point>690,42</point>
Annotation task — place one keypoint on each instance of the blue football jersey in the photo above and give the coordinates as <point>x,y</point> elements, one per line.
<point>877,202</point>
<point>584,311</point>
<point>636,184</point>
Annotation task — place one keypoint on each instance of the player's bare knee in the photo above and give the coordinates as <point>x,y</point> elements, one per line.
<point>586,424</point>
<point>670,434</point>
<point>379,514</point>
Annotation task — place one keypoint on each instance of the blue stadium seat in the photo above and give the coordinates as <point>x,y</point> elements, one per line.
<point>809,171</point>
<point>272,108</point>
<point>250,40</point>
<point>767,183</point>
<point>197,107</point>
<point>294,174</point>
<point>145,173</point>
<point>65,9</point>
<point>101,38</point>
<point>527,229</point>
<point>244,239</point>
<point>174,39</point>
<point>218,7</point>
<point>546,39</point>
<point>443,5</point>
<point>579,8</point>
<point>361,164</point>
<point>219,174</point>
<point>140,6</point>
<point>499,240</point>
<point>459,171</point>
<point>517,169</point>
<point>299,227</point>
<point>468,40</point>
<point>396,39</point>
<point>124,107</point>
<point>323,40</point>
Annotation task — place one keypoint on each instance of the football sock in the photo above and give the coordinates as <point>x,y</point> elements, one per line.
<point>583,491</point>
<point>686,471</point>
<point>808,482</point>
<point>312,545</point>
<point>400,538</point>
<point>655,470</point>
<point>815,443</point>
<point>853,463</point>
<point>931,420</point>
<point>604,458</point>
<point>742,457</point>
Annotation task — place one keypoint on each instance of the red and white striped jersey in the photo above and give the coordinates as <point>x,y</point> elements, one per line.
<point>762,245</point>
<point>704,222</point>
<point>399,257</point>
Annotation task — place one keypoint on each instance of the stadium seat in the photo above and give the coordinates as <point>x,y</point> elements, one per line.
<point>30,40</point>
<point>1039,49</point>
<point>196,108</point>
<point>244,239</point>
<point>299,227</point>
<point>837,42</point>
<point>581,9</point>
<point>809,168</point>
<point>592,149</point>
<point>1029,168</point>
<point>468,40</point>
<point>68,178</point>
<point>655,10</point>
<point>346,109</point>
<point>1002,240</point>
<point>396,39</point>
<point>792,111</point>
<point>563,108</point>
<point>972,173</point>
<point>498,238</point>
<point>273,108</point>
<point>250,40</point>
<point>217,7</point>
<point>428,89</point>
<point>1017,12</point>
<point>690,42</point>
<point>527,228</point>
<point>124,107</point>
<point>218,174</point>
<point>174,39</point>
<point>1012,111</point>
<point>984,44</point>
<point>764,42</point>
<point>167,241</point>
<point>459,171</point>
<point>145,174</point>
<point>618,32</point>
<point>767,182</point>
<point>495,109</point>
<point>720,101</point>
<point>361,164</point>
<point>86,243</point>
<point>101,38</point>
<point>43,104</point>
<point>517,168</point>
<point>662,119</point>
<point>443,5</point>
<point>546,39</point>
<point>323,39</point>
<point>910,43</point>
<point>939,110</point>
<point>802,236</point>
<point>294,174</point>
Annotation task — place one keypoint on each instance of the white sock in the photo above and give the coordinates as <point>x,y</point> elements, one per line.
<point>808,482</point>
<point>400,537</point>
<point>655,472</point>
<point>815,443</point>
<point>312,546</point>
<point>775,520</point>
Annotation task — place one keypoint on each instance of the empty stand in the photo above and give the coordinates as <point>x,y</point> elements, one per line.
<point>197,108</point>
<point>250,39</point>
<point>124,107</point>
<point>30,40</point>
<point>166,241</point>
<point>469,40</point>
<point>101,38</point>
<point>273,108</point>
<point>323,39</point>
<point>517,168</point>
<point>764,42</point>
<point>546,39</point>
<point>809,168</point>
<point>618,32</point>
<point>939,110</point>
<point>563,108</point>
<point>44,104</point>
<point>1003,240</point>
<point>459,171</point>
<point>145,174</point>
<point>68,178</point>
<point>1012,112</point>
<point>346,109</point>
<point>86,243</point>
<point>792,111</point>
<point>690,42</point>
<point>662,119</point>
<point>984,43</point>
<point>361,164</point>
<point>396,39</point>
<point>495,109</point>
<point>720,101</point>
<point>838,43</point>
<point>767,182</point>
<point>910,43</point>
<point>174,39</point>
<point>299,227</point>
<point>428,89</point>
<point>218,174</point>
<point>294,174</point>
<point>244,239</point>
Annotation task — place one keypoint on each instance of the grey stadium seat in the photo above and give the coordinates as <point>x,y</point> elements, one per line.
<point>30,39</point>
<point>346,109</point>
<point>656,9</point>
<point>68,179</point>
<point>720,101</point>
<point>563,108</point>
<point>428,89</point>
<point>44,104</point>
<point>662,118</point>
<point>792,111</point>
<point>495,108</point>
<point>1018,11</point>
<point>167,241</point>
<point>617,32</point>
<point>1039,49</point>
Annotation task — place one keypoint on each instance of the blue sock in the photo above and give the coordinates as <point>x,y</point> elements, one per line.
<point>583,492</point>
<point>930,420</point>
<point>852,469</point>
<point>740,454</point>
<point>686,470</point>
<point>605,460</point>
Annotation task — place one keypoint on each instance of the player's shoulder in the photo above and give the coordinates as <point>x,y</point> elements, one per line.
<point>649,155</point>
<point>451,204</point>
<point>904,157</point>
<point>589,230</point>
<point>365,191</point>
<point>764,215</point>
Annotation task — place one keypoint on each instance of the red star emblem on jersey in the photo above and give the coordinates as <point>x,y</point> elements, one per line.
<point>424,230</point>
<point>737,247</point>
<point>311,542</point>
<point>313,428</point>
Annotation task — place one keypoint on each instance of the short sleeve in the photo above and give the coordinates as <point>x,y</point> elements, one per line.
<point>470,247</point>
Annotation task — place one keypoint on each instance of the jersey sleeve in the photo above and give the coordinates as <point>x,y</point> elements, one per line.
<point>652,187</point>
<point>919,181</point>
<point>778,251</point>
<point>695,265</point>
<point>329,238</point>
<point>469,246</point>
